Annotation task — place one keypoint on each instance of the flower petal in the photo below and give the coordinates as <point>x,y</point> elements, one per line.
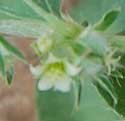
<point>35,70</point>
<point>63,85</point>
<point>72,70</point>
<point>44,85</point>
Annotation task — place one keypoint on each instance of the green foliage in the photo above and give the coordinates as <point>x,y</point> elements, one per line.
<point>118,79</point>
<point>11,49</point>
<point>72,56</point>
<point>54,106</point>
<point>119,41</point>
<point>52,6</point>
<point>16,10</point>
<point>21,28</point>
<point>2,68</point>
<point>107,20</point>
<point>93,10</point>
<point>15,19</point>
<point>7,54</point>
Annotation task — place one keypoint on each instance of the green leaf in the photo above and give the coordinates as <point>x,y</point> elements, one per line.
<point>92,106</point>
<point>93,10</point>
<point>119,84</point>
<point>23,28</point>
<point>94,42</point>
<point>108,90</point>
<point>62,109</point>
<point>52,6</point>
<point>16,9</point>
<point>118,41</point>
<point>2,66</point>
<point>10,76</point>
<point>107,20</point>
<point>53,21</point>
<point>12,49</point>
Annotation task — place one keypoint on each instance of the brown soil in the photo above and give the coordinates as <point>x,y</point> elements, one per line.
<point>17,102</point>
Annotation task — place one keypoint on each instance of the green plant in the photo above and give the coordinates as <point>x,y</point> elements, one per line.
<point>81,56</point>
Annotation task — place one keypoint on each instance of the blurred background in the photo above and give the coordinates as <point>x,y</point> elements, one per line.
<point>17,103</point>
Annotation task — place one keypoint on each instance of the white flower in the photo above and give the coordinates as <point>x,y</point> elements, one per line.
<point>56,80</point>
<point>56,74</point>
<point>35,70</point>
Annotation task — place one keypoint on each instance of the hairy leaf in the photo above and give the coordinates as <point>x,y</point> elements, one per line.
<point>16,9</point>
<point>93,10</point>
<point>53,21</point>
<point>118,41</point>
<point>52,6</point>
<point>12,49</point>
<point>92,106</point>
<point>107,20</point>
<point>23,28</point>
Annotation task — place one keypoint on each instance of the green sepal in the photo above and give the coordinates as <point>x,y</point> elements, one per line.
<point>107,19</point>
